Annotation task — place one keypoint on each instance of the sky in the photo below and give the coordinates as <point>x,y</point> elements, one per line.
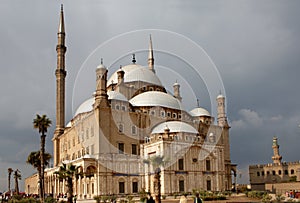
<point>254,46</point>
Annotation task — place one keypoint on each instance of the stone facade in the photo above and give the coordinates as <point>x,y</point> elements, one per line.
<point>130,120</point>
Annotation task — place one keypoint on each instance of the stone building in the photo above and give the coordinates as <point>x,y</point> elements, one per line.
<point>277,177</point>
<point>132,118</point>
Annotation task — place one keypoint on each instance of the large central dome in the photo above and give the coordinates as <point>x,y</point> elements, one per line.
<point>135,72</point>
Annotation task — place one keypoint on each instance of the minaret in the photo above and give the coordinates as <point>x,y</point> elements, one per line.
<point>176,88</point>
<point>222,119</point>
<point>150,56</point>
<point>276,156</point>
<point>60,74</point>
<point>101,97</point>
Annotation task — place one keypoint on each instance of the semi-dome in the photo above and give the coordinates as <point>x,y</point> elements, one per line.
<point>114,95</point>
<point>135,72</point>
<point>156,98</point>
<point>86,106</point>
<point>199,112</point>
<point>174,127</point>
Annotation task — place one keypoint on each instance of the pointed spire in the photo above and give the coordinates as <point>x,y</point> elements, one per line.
<point>61,28</point>
<point>150,56</point>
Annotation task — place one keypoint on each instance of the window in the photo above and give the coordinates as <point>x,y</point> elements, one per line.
<point>87,150</point>
<point>262,173</point>
<point>168,114</point>
<point>163,114</point>
<point>121,128</point>
<point>92,149</point>
<point>180,164</point>
<point>208,168</point>
<point>134,187</point>
<point>179,116</point>
<point>92,131</point>
<point>134,149</point>
<point>208,185</point>
<point>123,108</point>
<point>121,187</point>
<point>181,185</point>
<point>117,107</point>
<point>133,130</point>
<point>174,115</point>
<point>121,148</point>
<point>292,171</point>
<point>279,172</point>
<point>78,154</point>
<point>273,173</point>
<point>258,174</point>
<point>286,172</point>
<point>152,113</point>
<point>268,172</point>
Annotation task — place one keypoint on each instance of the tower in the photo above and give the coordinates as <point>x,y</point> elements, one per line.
<point>150,56</point>
<point>222,119</point>
<point>101,97</point>
<point>276,156</point>
<point>176,87</point>
<point>60,74</point>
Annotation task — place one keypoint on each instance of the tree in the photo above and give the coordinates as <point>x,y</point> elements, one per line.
<point>17,176</point>
<point>10,170</point>
<point>156,161</point>
<point>67,173</point>
<point>34,160</point>
<point>42,123</point>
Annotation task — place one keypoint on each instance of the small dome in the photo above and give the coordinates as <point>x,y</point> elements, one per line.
<point>135,72</point>
<point>156,98</point>
<point>199,112</point>
<point>174,126</point>
<point>220,96</point>
<point>101,66</point>
<point>113,95</point>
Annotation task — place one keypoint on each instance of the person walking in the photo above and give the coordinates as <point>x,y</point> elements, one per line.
<point>197,199</point>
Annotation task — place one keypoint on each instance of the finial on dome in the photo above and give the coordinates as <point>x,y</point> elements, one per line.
<point>133,58</point>
<point>101,61</point>
<point>198,103</point>
<point>121,67</point>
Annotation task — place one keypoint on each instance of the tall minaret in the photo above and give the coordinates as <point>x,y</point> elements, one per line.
<point>222,119</point>
<point>276,156</point>
<point>101,97</point>
<point>150,56</point>
<point>60,74</point>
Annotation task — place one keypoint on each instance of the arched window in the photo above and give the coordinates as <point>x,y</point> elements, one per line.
<point>133,130</point>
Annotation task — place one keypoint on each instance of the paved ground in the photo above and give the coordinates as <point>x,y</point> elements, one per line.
<point>234,198</point>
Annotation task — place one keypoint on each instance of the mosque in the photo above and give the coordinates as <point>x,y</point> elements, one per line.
<point>132,118</point>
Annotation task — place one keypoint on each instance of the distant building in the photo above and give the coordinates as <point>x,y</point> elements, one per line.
<point>277,177</point>
<point>131,118</point>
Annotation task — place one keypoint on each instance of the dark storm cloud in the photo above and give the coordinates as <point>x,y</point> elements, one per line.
<point>254,44</point>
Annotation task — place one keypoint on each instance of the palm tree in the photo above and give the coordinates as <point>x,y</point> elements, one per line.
<point>17,176</point>
<point>156,161</point>
<point>10,170</point>
<point>42,123</point>
<point>67,173</point>
<point>34,160</point>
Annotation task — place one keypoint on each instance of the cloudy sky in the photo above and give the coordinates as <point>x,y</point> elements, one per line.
<point>254,45</point>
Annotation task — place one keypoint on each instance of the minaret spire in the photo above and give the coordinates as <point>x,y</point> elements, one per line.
<point>150,56</point>
<point>60,74</point>
<point>61,28</point>
<point>276,156</point>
